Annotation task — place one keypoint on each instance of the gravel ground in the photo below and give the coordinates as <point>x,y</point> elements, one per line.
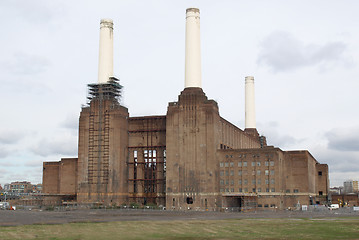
<point>23,217</point>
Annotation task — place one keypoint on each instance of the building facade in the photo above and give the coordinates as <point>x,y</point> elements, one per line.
<point>190,158</point>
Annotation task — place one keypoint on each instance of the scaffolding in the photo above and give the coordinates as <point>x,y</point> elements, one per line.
<point>147,163</point>
<point>99,128</point>
<point>111,90</point>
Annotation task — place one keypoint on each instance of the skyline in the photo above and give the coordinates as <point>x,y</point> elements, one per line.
<point>303,59</point>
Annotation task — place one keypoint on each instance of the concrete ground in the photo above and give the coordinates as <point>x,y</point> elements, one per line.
<point>23,217</point>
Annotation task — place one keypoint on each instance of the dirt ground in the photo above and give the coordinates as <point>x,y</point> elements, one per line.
<point>23,217</point>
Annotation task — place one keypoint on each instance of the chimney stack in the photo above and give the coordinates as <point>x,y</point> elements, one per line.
<point>105,66</point>
<point>193,49</point>
<point>250,114</point>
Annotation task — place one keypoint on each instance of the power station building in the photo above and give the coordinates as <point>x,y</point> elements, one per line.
<point>190,158</point>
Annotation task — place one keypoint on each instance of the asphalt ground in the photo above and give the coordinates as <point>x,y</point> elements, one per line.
<point>25,217</point>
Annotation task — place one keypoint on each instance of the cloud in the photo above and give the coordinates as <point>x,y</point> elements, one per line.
<point>4,152</point>
<point>280,51</point>
<point>10,136</point>
<point>275,137</point>
<point>71,122</point>
<point>60,145</point>
<point>37,11</point>
<point>26,64</point>
<point>342,164</point>
<point>343,139</point>
<point>34,163</point>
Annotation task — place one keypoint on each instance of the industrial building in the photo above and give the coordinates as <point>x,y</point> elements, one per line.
<point>189,159</point>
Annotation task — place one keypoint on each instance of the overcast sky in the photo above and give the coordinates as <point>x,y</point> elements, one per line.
<point>304,56</point>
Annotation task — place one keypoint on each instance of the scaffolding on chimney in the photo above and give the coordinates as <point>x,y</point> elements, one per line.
<point>111,90</point>
<point>99,129</point>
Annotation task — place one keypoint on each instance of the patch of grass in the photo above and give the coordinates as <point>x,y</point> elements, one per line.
<point>338,228</point>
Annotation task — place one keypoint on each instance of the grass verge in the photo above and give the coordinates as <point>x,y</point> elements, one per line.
<point>338,228</point>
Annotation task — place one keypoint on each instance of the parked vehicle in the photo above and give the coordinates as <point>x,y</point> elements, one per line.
<point>333,206</point>
<point>4,205</point>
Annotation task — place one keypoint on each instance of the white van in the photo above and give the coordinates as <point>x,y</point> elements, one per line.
<point>4,205</point>
<point>333,206</point>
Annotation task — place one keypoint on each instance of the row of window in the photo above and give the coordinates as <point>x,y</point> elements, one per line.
<point>266,205</point>
<point>294,190</point>
<point>251,155</point>
<point>246,190</point>
<point>245,164</point>
<point>245,182</point>
<point>245,172</point>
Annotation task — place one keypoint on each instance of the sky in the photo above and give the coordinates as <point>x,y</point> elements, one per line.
<point>304,56</point>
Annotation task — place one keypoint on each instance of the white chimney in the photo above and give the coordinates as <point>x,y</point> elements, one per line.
<point>105,65</point>
<point>193,49</point>
<point>250,113</point>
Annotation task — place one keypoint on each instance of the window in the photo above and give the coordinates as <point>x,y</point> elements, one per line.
<point>259,190</point>
<point>272,181</point>
<point>240,182</point>
<point>272,205</point>
<point>226,172</point>
<point>253,164</point>
<point>272,163</point>
<point>221,173</point>
<point>232,189</point>
<point>232,182</point>
<point>258,164</point>
<point>266,172</point>
<point>245,181</point>
<point>253,181</point>
<point>240,189</point>
<point>267,181</point>
<point>221,190</point>
<point>271,172</point>
<point>320,193</point>
<point>244,164</point>
<point>221,182</point>
<point>258,172</point>
<point>272,190</point>
<point>253,190</point>
<point>226,182</point>
<point>221,164</point>
<point>259,181</point>
<point>320,173</point>
<point>232,172</point>
<point>226,164</point>
<point>259,205</point>
<point>287,191</point>
<point>246,190</point>
<point>227,189</point>
<point>240,173</point>
<point>189,200</point>
<point>231,164</point>
<point>266,163</point>
<point>267,189</point>
<point>239,164</point>
<point>295,190</point>
<point>266,205</point>
<point>253,172</point>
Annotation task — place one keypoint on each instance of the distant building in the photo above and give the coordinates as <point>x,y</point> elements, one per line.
<point>336,190</point>
<point>21,187</point>
<point>6,187</point>
<point>355,186</point>
<point>37,188</point>
<point>350,186</point>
